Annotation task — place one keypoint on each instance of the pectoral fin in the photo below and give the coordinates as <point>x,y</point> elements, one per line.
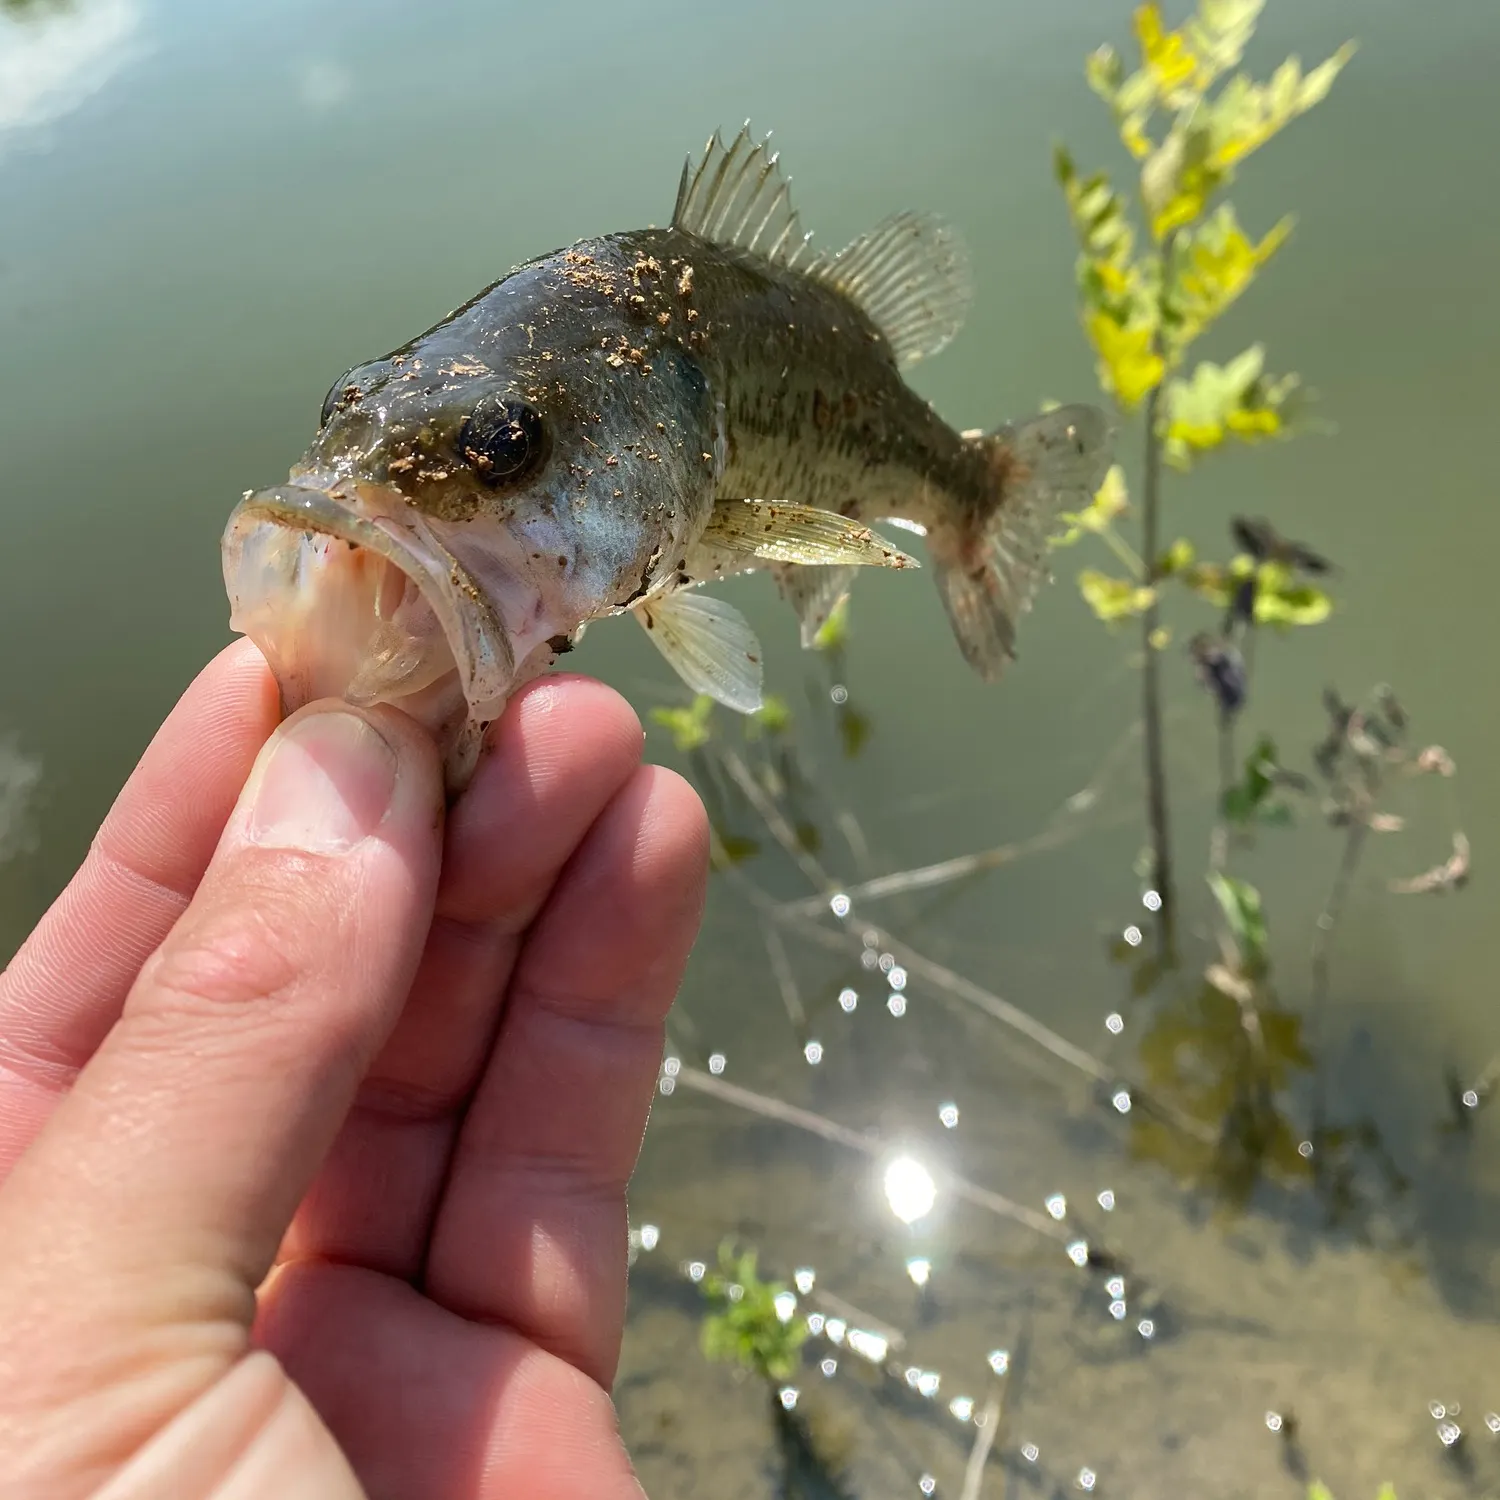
<point>708,643</point>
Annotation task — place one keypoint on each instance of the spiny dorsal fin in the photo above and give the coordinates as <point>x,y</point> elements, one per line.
<point>708,643</point>
<point>910,276</point>
<point>739,197</point>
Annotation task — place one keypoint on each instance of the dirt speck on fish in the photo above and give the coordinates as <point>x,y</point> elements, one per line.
<point>615,424</point>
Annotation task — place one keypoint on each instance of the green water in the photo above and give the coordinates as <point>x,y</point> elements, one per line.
<point>208,213</point>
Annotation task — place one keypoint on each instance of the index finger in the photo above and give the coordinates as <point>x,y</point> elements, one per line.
<point>64,989</point>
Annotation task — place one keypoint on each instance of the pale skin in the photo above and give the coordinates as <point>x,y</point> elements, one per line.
<point>317,1108</point>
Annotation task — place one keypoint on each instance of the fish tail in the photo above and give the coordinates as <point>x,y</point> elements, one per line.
<point>990,558</point>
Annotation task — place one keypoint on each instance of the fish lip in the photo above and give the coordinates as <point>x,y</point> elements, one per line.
<point>339,507</point>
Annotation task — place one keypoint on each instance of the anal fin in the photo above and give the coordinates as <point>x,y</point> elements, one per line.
<point>814,593</point>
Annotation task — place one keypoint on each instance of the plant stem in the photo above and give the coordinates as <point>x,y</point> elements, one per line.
<point>1328,921</point>
<point>1218,843</point>
<point>1156,775</point>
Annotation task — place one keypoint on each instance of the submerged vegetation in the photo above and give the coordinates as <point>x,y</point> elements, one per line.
<point>1225,1089</point>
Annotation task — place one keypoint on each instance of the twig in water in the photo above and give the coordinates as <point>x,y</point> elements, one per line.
<point>979,1455</point>
<point>775,820</point>
<point>1060,829</point>
<point>786,981</point>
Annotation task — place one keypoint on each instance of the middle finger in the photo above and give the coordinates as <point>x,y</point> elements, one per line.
<point>560,752</point>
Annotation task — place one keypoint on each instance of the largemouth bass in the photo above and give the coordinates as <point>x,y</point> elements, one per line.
<point>612,426</point>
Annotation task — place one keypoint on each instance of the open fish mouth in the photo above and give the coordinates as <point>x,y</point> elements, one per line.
<point>349,595</point>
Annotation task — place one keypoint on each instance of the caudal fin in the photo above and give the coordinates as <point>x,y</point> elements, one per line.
<point>991,564</point>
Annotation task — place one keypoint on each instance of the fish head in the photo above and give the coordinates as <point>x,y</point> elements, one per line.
<point>470,502</point>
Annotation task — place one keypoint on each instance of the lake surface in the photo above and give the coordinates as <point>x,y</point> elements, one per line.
<point>208,213</point>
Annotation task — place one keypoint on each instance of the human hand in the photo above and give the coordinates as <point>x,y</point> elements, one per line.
<point>316,1118</point>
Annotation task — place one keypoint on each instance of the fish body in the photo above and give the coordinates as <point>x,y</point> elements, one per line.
<point>615,424</point>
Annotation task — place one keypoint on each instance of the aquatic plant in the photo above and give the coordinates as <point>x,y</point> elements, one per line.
<point>1146,299</point>
<point>751,1323</point>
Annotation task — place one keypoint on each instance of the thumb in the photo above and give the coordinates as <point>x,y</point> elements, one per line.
<point>151,1205</point>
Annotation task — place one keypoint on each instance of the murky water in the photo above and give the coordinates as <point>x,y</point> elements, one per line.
<point>207,213</point>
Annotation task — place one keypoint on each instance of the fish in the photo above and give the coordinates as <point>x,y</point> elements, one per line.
<point>611,427</point>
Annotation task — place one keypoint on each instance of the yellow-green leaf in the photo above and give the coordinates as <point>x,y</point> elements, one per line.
<point>1109,503</point>
<point>1178,558</point>
<point>1212,266</point>
<point>1167,56</point>
<point>689,727</point>
<point>1219,33</point>
<point>1247,114</point>
<point>833,634</point>
<point>1221,401</point>
<point>1281,599</point>
<point>1130,366</point>
<point>1113,598</point>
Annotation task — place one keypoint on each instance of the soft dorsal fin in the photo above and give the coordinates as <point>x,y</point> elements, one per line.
<point>909,275</point>
<point>738,196</point>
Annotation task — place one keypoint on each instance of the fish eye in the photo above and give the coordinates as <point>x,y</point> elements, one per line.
<point>503,439</point>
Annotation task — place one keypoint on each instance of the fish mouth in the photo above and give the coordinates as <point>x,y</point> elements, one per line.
<point>349,594</point>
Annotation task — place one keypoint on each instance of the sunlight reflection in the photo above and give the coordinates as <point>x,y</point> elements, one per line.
<point>1086,1479</point>
<point>927,1484</point>
<point>1133,936</point>
<point>1114,1023</point>
<point>839,905</point>
<point>836,1328</point>
<point>1106,1201</point>
<point>1057,1206</point>
<point>867,1345</point>
<point>1146,1328</point>
<point>716,1063</point>
<point>789,1394</point>
<point>785,1304</point>
<point>804,1278</point>
<point>909,1189</point>
<point>962,1407</point>
<point>896,1004</point>
<point>1151,901</point>
<point>839,694</point>
<point>829,1367</point>
<point>919,1269</point>
<point>999,1360</point>
<point>948,1114</point>
<point>848,999</point>
<point>51,65</point>
<point>813,1052</point>
<point>1078,1252</point>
